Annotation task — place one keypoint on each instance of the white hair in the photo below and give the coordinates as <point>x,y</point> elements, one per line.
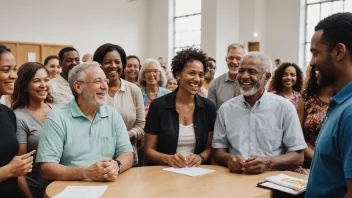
<point>266,62</point>
<point>235,46</point>
<point>77,73</point>
<point>162,82</point>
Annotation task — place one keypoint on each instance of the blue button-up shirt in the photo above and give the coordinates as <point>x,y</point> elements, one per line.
<point>332,161</point>
<point>270,128</point>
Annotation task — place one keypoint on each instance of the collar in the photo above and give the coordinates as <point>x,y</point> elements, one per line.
<point>258,102</point>
<point>171,100</point>
<point>227,78</point>
<point>122,85</point>
<point>344,94</point>
<point>77,112</point>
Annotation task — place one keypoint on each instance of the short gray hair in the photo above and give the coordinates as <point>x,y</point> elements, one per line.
<point>162,82</point>
<point>77,73</point>
<point>266,61</point>
<point>237,45</point>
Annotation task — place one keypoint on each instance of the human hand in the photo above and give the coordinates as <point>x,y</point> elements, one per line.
<point>21,165</point>
<point>131,135</point>
<point>256,164</point>
<point>193,160</point>
<point>111,169</point>
<point>177,161</point>
<point>236,164</point>
<point>97,171</point>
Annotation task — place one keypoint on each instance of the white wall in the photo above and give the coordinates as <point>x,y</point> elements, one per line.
<point>85,24</point>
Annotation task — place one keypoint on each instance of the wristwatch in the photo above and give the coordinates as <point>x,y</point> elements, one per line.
<point>119,164</point>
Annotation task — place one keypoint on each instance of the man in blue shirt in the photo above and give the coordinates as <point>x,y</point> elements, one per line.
<point>331,169</point>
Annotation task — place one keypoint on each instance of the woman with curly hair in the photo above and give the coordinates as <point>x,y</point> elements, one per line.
<point>311,109</point>
<point>179,126</point>
<point>31,103</point>
<point>287,82</point>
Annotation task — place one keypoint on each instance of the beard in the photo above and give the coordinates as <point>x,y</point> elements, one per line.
<point>254,89</point>
<point>328,77</point>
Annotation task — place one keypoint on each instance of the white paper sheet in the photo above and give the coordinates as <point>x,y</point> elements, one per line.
<point>281,188</point>
<point>82,191</point>
<point>190,171</point>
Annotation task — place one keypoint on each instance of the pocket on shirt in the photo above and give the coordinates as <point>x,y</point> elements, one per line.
<point>270,138</point>
<point>108,145</point>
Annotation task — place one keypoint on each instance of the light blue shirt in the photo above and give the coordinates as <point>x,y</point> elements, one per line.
<point>161,92</point>
<point>332,160</point>
<point>270,128</point>
<point>71,139</point>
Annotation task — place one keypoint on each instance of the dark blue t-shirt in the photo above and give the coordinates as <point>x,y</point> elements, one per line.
<point>332,161</point>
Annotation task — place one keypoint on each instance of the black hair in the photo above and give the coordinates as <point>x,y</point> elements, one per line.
<point>279,73</point>
<point>64,50</point>
<point>311,85</point>
<point>4,49</point>
<point>188,55</point>
<point>100,53</point>
<point>47,59</point>
<point>211,59</point>
<point>337,28</point>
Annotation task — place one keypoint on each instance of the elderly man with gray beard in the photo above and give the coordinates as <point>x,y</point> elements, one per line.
<point>257,130</point>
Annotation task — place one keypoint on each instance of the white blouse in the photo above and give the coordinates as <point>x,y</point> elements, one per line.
<point>186,140</point>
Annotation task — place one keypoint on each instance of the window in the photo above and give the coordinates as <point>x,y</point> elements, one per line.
<point>187,24</point>
<point>317,10</point>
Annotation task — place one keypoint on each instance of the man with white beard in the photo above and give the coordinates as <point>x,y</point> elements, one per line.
<point>257,130</point>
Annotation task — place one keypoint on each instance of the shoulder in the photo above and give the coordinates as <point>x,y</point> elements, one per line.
<point>218,80</point>
<point>7,111</point>
<point>207,103</point>
<point>161,101</point>
<point>20,113</point>
<point>164,90</point>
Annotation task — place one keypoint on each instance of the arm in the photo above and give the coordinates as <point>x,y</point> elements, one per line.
<point>150,145</point>
<point>22,181</point>
<point>54,171</point>
<point>19,166</point>
<point>126,160</point>
<point>196,160</point>
<point>349,188</point>
<point>212,92</point>
<point>308,152</point>
<point>137,130</point>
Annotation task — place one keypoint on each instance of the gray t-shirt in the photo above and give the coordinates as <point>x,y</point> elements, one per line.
<point>28,132</point>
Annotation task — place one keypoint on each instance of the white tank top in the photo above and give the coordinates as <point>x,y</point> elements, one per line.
<point>186,140</point>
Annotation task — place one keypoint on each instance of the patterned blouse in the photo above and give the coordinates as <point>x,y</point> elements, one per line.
<point>294,100</point>
<point>314,112</point>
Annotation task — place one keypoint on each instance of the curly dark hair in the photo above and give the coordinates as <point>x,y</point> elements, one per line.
<point>311,86</point>
<point>337,28</point>
<point>279,73</point>
<point>20,97</point>
<point>188,55</point>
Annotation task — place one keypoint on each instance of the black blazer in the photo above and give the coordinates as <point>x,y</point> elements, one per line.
<point>162,120</point>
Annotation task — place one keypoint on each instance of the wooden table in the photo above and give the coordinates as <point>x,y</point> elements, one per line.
<point>153,182</point>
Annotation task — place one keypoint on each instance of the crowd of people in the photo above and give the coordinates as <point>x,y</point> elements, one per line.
<point>67,120</point>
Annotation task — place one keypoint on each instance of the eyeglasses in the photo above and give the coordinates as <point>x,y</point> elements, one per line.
<point>150,72</point>
<point>97,81</point>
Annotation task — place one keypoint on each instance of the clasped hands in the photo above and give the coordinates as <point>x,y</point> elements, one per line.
<point>103,170</point>
<point>179,161</point>
<point>253,165</point>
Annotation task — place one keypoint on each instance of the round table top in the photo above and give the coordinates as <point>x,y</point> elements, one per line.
<point>153,182</point>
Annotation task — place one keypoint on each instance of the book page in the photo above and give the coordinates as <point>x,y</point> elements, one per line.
<point>288,181</point>
<point>190,171</point>
<point>280,188</point>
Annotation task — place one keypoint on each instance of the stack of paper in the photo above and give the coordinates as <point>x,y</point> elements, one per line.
<point>190,171</point>
<point>285,183</point>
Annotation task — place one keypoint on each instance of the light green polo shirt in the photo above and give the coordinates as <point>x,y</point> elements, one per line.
<point>71,139</point>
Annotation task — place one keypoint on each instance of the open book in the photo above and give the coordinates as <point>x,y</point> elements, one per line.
<point>285,183</point>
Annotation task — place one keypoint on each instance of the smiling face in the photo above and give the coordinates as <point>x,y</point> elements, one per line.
<point>132,69</point>
<point>191,77</point>
<point>112,65</point>
<point>71,59</point>
<point>53,67</point>
<point>289,78</point>
<point>322,60</point>
<point>152,74</point>
<point>39,86</point>
<point>233,58</point>
<point>94,87</point>
<point>171,84</point>
<point>211,70</point>
<point>250,76</point>
<point>8,73</point>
